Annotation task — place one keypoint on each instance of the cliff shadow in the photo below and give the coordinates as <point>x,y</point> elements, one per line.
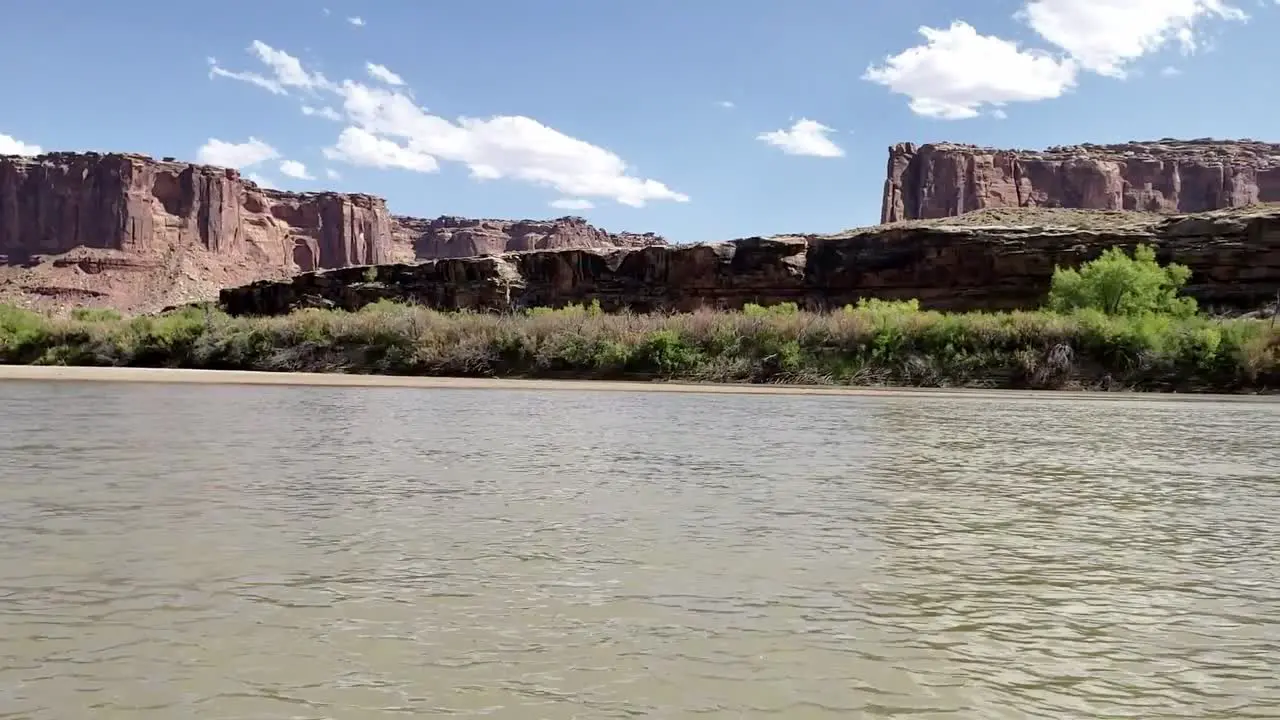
<point>19,258</point>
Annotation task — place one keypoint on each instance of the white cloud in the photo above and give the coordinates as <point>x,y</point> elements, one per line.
<point>260,180</point>
<point>265,83</point>
<point>381,72</point>
<point>727,104</point>
<point>386,129</point>
<point>958,71</point>
<point>286,72</point>
<point>295,169</point>
<point>357,21</point>
<point>1104,36</point>
<point>497,147</point>
<point>572,204</point>
<point>805,137</point>
<point>332,174</point>
<point>325,112</point>
<point>1170,71</point>
<point>13,146</point>
<point>358,146</point>
<point>236,155</point>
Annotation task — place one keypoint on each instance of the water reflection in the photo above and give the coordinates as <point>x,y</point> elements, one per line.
<point>358,553</point>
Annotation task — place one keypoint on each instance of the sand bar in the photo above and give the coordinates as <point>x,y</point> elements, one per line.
<point>238,377</point>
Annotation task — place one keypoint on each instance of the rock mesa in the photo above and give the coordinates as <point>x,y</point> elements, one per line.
<point>944,180</point>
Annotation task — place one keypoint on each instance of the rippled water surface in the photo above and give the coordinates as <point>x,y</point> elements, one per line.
<point>221,552</point>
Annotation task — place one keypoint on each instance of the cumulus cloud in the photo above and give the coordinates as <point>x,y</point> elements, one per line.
<point>260,180</point>
<point>572,204</point>
<point>1104,36</point>
<point>387,129</point>
<point>357,21</point>
<point>357,146</point>
<point>13,146</point>
<point>332,174</point>
<point>295,169</point>
<point>381,72</point>
<point>325,112</point>
<point>727,104</point>
<point>236,155</point>
<point>957,71</point>
<point>805,137</point>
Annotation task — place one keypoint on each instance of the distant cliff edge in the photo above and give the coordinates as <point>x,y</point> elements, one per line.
<point>945,179</point>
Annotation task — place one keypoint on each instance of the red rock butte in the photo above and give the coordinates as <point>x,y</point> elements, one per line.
<point>128,231</point>
<point>1166,176</point>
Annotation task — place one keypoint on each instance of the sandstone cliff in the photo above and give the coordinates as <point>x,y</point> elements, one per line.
<point>974,262</point>
<point>61,201</point>
<point>942,180</point>
<point>131,232</point>
<point>450,237</point>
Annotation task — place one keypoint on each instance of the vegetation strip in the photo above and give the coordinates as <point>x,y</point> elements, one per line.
<point>1116,323</point>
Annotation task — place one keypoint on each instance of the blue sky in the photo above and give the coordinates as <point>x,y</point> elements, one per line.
<point>697,119</point>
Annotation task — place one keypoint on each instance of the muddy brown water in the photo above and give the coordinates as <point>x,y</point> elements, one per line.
<point>203,551</point>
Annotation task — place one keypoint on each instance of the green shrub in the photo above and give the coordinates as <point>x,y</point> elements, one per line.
<point>884,308</point>
<point>23,334</point>
<point>665,353</point>
<point>1117,284</point>
<point>754,310</point>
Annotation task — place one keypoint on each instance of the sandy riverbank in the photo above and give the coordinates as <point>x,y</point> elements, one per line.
<point>237,377</point>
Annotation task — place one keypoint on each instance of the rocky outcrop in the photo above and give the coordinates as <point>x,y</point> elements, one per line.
<point>57,202</point>
<point>1234,257</point>
<point>450,237</point>
<point>943,180</point>
<point>131,232</point>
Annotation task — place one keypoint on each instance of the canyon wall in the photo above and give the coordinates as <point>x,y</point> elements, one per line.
<point>1234,257</point>
<point>58,202</point>
<point>447,236</point>
<point>944,180</point>
<point>127,231</point>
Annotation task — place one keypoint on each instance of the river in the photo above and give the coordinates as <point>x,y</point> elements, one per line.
<point>195,551</point>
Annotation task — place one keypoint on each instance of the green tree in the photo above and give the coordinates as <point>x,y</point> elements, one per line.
<point>1117,284</point>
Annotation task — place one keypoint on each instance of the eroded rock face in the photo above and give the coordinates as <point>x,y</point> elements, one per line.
<point>131,232</point>
<point>1234,257</point>
<point>57,202</point>
<point>451,237</point>
<point>943,180</point>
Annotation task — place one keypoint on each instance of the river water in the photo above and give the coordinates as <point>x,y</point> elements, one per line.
<point>188,551</point>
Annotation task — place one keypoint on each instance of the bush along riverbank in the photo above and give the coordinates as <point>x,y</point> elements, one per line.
<point>1118,323</point>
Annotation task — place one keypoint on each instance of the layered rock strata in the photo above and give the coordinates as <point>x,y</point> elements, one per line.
<point>1234,257</point>
<point>450,237</point>
<point>131,232</point>
<point>944,180</point>
<point>58,202</point>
